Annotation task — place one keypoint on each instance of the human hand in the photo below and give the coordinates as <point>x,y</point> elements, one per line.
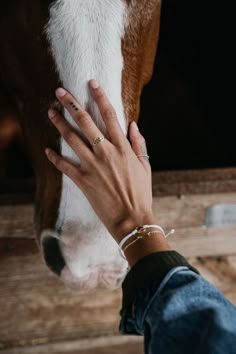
<point>116,182</point>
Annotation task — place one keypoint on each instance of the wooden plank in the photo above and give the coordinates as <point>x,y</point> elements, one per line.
<point>201,242</point>
<point>36,308</point>
<point>191,242</point>
<point>16,221</point>
<point>232,262</point>
<point>103,345</point>
<point>204,181</point>
<point>171,212</point>
<point>13,247</point>
<point>187,210</point>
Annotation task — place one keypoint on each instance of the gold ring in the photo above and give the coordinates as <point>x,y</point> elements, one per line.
<point>98,140</point>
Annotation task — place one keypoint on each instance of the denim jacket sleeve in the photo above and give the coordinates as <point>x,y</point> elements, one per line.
<point>175,309</point>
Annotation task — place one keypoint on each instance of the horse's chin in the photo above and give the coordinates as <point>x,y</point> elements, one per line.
<point>83,267</point>
<point>100,278</point>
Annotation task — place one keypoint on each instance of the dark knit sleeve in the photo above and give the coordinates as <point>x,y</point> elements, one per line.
<point>150,268</point>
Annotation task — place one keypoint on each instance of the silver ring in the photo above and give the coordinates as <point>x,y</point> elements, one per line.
<point>145,156</point>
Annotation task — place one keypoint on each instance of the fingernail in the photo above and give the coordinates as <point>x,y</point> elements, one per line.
<point>94,84</point>
<point>60,92</point>
<point>47,151</point>
<point>135,125</point>
<point>51,113</point>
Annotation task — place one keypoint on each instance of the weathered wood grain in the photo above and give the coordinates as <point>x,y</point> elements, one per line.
<point>201,242</point>
<point>204,181</point>
<point>39,315</point>
<point>185,214</point>
<point>16,221</point>
<point>191,242</point>
<point>172,211</point>
<point>36,308</point>
<point>13,247</point>
<point>187,210</point>
<point>103,345</point>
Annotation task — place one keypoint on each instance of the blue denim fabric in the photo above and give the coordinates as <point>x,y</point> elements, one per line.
<point>182,314</point>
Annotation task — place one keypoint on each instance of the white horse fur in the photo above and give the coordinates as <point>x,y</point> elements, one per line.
<point>85,38</point>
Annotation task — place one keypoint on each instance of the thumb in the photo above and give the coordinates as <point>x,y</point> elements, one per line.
<point>138,144</point>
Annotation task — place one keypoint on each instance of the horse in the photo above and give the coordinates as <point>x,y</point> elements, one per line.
<point>45,44</point>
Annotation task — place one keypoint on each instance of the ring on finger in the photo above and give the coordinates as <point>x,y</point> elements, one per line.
<point>145,156</point>
<point>98,140</point>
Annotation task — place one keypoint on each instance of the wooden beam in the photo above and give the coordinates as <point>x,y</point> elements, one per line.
<point>16,221</point>
<point>191,242</point>
<point>186,214</point>
<point>14,247</point>
<point>39,315</point>
<point>37,308</point>
<point>202,242</point>
<point>102,345</point>
<point>206,181</point>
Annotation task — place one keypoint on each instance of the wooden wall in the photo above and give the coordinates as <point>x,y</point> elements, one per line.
<point>39,315</point>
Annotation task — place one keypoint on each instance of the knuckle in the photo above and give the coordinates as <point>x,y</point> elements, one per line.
<point>83,174</point>
<point>74,174</point>
<point>123,146</point>
<point>105,157</point>
<point>84,118</point>
<point>123,151</point>
<point>90,163</point>
<point>109,113</point>
<point>59,163</point>
<point>70,136</point>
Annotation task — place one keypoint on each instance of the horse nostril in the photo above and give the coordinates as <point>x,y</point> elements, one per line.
<point>52,254</point>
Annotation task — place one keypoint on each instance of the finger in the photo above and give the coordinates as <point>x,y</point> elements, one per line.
<point>64,165</point>
<point>139,145</point>
<point>80,116</point>
<point>70,135</point>
<point>108,114</point>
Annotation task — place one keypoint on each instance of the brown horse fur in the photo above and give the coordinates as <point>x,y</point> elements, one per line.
<point>29,77</point>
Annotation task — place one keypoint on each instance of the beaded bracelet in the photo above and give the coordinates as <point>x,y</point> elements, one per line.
<point>141,229</point>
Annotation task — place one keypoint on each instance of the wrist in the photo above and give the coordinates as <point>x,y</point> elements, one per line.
<point>130,224</point>
<point>145,246</point>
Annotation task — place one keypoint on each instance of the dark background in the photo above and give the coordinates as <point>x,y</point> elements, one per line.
<point>187,111</point>
<point>187,114</point>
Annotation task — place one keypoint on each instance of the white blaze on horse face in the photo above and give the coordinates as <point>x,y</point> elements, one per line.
<point>85,38</point>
